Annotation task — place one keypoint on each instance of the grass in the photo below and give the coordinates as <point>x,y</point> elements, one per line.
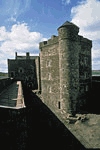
<point>95,72</point>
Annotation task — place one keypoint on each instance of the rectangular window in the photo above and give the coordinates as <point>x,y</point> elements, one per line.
<point>85,60</point>
<point>86,88</point>
<point>48,64</point>
<point>86,74</point>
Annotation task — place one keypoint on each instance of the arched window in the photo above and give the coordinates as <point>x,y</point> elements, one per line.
<point>21,70</point>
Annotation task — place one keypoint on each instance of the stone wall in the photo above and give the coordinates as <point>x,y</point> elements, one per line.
<point>94,96</point>
<point>49,66</point>
<point>68,67</point>
<point>13,130</point>
<point>38,75</point>
<point>85,72</point>
<point>65,64</point>
<point>4,83</point>
<point>25,69</point>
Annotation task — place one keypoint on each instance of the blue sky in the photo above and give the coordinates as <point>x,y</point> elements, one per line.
<point>24,23</point>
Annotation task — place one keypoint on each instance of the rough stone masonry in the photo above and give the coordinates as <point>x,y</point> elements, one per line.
<point>65,64</point>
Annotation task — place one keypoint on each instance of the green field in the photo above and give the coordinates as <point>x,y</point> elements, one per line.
<point>2,74</point>
<point>95,72</point>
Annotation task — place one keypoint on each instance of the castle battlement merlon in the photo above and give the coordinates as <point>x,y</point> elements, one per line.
<point>52,40</point>
<point>85,40</point>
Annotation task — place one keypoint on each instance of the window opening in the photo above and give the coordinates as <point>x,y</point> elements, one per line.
<point>12,74</point>
<point>20,70</point>
<point>59,105</point>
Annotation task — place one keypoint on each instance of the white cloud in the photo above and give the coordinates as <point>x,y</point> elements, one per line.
<point>19,39</point>
<point>3,33</point>
<point>86,13</point>
<point>86,16</point>
<point>12,19</point>
<point>66,2</point>
<point>3,62</point>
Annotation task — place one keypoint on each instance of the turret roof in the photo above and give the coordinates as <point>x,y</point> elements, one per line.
<point>67,23</point>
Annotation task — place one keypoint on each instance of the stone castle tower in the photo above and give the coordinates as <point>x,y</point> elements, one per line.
<point>65,65</point>
<point>61,72</point>
<point>69,65</point>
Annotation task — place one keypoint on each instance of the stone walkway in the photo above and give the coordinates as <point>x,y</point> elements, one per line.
<point>12,96</point>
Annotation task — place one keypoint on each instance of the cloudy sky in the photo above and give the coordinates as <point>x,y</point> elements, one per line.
<point>24,23</point>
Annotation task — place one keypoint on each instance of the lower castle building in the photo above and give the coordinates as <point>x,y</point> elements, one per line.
<point>25,68</point>
<point>61,72</point>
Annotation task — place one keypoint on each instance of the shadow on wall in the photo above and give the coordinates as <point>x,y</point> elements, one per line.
<point>94,98</point>
<point>46,131</point>
<point>4,83</point>
<point>34,127</point>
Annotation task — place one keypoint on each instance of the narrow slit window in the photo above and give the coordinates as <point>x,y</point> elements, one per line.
<point>59,105</point>
<point>49,76</point>
<point>87,88</point>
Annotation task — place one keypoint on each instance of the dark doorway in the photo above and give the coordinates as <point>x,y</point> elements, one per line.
<point>12,74</point>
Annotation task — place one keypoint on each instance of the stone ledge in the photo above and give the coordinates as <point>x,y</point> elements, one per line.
<point>85,127</point>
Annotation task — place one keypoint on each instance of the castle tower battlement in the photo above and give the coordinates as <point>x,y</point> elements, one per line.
<point>52,40</point>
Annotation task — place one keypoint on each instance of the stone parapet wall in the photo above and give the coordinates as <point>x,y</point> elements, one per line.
<point>4,83</point>
<point>53,40</point>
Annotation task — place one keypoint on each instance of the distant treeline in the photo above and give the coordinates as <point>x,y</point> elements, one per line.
<point>3,74</point>
<point>95,72</point>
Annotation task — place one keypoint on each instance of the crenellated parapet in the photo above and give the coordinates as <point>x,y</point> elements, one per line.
<point>4,83</point>
<point>51,41</point>
<point>85,41</point>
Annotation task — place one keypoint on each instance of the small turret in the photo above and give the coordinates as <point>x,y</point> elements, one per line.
<point>68,30</point>
<point>70,24</point>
